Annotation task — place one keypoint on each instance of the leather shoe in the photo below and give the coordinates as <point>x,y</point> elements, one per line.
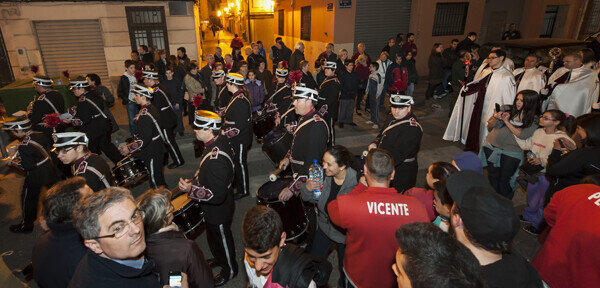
<point>212,262</point>
<point>174,165</point>
<point>221,278</point>
<point>21,228</point>
<point>238,196</point>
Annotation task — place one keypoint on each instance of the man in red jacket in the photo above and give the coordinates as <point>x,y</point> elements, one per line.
<point>371,213</point>
<point>570,255</point>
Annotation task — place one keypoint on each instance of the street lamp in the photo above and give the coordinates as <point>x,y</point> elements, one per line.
<point>219,13</point>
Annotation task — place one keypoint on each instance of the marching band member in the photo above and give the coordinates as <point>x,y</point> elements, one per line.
<point>401,137</point>
<point>89,116</point>
<point>329,95</point>
<point>310,141</point>
<point>149,146</point>
<point>281,100</point>
<point>72,148</point>
<point>49,101</point>
<point>212,187</point>
<point>162,101</point>
<point>238,128</point>
<point>31,156</point>
<point>223,95</point>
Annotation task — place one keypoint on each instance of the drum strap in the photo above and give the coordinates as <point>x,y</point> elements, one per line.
<point>400,123</point>
<point>317,118</point>
<point>97,108</point>
<point>97,173</point>
<point>279,90</point>
<point>220,153</point>
<point>42,150</point>
<point>157,127</point>
<point>241,95</point>
<point>51,105</point>
<point>166,99</point>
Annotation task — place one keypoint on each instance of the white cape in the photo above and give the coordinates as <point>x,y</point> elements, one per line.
<point>534,79</point>
<point>577,96</point>
<point>501,89</point>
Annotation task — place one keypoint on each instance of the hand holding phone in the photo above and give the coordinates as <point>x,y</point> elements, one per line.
<point>175,279</point>
<point>497,107</point>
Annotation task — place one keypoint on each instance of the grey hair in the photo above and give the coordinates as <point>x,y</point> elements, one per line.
<point>88,210</point>
<point>298,45</point>
<point>155,203</point>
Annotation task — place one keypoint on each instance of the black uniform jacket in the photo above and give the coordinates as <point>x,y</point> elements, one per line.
<point>402,141</point>
<point>162,101</point>
<point>223,98</point>
<point>47,103</point>
<point>310,142</point>
<point>329,94</point>
<point>35,159</point>
<point>237,125</point>
<point>149,141</point>
<point>95,170</point>
<point>281,101</point>
<point>56,255</point>
<point>89,115</point>
<point>212,183</point>
<point>95,271</point>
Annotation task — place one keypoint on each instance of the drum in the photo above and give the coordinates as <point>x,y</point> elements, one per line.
<point>276,144</point>
<point>291,212</point>
<point>187,214</point>
<point>262,125</point>
<point>129,171</point>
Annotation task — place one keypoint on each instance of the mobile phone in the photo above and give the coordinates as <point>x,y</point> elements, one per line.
<point>562,145</point>
<point>175,279</point>
<point>497,107</point>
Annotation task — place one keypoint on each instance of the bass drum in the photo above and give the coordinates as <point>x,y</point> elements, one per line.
<point>187,214</point>
<point>295,223</point>
<point>262,125</point>
<point>276,144</point>
<point>129,171</point>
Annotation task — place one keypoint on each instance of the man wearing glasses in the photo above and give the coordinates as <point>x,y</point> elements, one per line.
<point>476,105</point>
<point>111,226</point>
<point>72,148</point>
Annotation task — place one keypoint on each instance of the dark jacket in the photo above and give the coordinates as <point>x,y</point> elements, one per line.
<point>39,172</point>
<point>282,54</point>
<point>123,89</point>
<point>331,58</point>
<point>56,255</point>
<point>41,107</point>
<point>171,251</point>
<point>88,166</point>
<point>349,84</point>
<point>295,268</point>
<point>161,68</point>
<point>450,56</point>
<point>310,142</point>
<point>411,67</point>
<point>329,94</point>
<point>206,75</point>
<point>567,170</point>
<point>436,68</point>
<point>465,45</point>
<point>163,102</point>
<point>266,78</point>
<point>175,89</point>
<point>89,112</point>
<point>253,60</point>
<point>257,93</point>
<point>308,79</point>
<point>95,271</point>
<point>295,59</point>
<point>238,114</point>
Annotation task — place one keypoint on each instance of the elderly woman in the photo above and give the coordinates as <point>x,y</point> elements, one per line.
<point>167,246</point>
<point>342,57</point>
<point>340,178</point>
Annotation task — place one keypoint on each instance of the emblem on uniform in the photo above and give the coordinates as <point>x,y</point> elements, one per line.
<point>214,153</point>
<point>81,168</point>
<point>25,140</point>
<point>413,122</point>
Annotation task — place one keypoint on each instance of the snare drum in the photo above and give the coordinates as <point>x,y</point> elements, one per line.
<point>262,125</point>
<point>129,171</point>
<point>291,212</point>
<point>187,214</point>
<point>276,144</point>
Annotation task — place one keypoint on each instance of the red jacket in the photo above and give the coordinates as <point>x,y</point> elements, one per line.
<point>570,256</point>
<point>371,217</point>
<point>400,77</point>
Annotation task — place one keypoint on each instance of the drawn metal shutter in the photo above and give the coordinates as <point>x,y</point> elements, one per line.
<point>376,21</point>
<point>74,45</point>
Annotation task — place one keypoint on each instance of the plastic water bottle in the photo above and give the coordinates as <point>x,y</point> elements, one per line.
<point>315,172</point>
<point>530,155</point>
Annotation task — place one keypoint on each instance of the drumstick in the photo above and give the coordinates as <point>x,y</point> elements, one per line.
<point>273,175</point>
<point>177,190</point>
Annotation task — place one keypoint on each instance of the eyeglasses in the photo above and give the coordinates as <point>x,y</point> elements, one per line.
<point>64,151</point>
<point>547,119</point>
<point>120,229</point>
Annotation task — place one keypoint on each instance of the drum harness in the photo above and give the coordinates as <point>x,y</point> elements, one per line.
<point>231,102</point>
<point>43,97</point>
<point>400,123</point>
<point>95,171</point>
<point>312,119</point>
<point>219,152</point>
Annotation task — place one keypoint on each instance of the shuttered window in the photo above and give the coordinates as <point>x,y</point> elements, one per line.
<point>147,26</point>
<point>305,24</point>
<point>280,21</point>
<point>450,19</point>
<point>74,45</point>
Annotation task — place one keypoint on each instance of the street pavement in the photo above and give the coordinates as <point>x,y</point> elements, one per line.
<point>356,139</point>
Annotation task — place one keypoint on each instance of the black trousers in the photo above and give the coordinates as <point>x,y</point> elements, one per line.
<point>102,143</point>
<point>406,176</point>
<point>154,165</point>
<point>499,177</point>
<point>30,195</point>
<point>241,180</point>
<point>431,89</point>
<point>362,87</point>
<point>221,245</point>
<point>321,246</point>
<point>172,146</point>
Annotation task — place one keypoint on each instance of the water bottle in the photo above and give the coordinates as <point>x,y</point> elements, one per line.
<point>530,155</point>
<point>315,172</point>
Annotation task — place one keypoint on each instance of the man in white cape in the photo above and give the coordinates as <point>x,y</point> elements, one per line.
<point>485,68</point>
<point>530,77</point>
<point>572,89</point>
<point>498,87</point>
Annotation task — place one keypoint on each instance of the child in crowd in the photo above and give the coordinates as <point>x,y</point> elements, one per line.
<point>374,88</point>
<point>256,89</point>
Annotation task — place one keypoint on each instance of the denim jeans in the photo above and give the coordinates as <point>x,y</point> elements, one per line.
<point>447,74</point>
<point>132,111</point>
<point>410,89</point>
<point>373,101</point>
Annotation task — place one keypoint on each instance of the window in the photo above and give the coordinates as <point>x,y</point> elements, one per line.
<point>178,8</point>
<point>147,26</point>
<point>280,21</point>
<point>592,22</point>
<point>549,19</point>
<point>305,23</point>
<point>450,19</point>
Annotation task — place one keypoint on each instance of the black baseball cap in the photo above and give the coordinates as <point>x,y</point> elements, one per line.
<point>489,217</point>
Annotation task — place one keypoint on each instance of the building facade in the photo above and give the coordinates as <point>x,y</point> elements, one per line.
<point>93,36</point>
